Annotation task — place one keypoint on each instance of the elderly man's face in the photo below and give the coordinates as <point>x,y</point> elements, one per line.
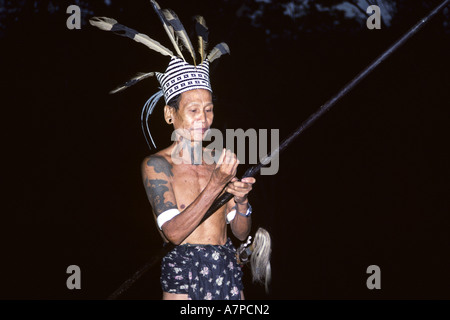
<point>195,114</point>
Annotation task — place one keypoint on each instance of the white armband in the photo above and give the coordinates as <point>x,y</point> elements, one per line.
<point>231,215</point>
<point>166,216</point>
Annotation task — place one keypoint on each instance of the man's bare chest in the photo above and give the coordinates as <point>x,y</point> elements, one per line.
<point>189,181</point>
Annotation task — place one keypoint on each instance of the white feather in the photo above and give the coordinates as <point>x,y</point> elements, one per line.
<point>167,27</point>
<point>132,81</point>
<point>109,24</point>
<point>179,30</point>
<point>216,52</point>
<point>202,42</point>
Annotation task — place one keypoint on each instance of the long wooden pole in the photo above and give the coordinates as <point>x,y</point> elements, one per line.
<point>252,171</point>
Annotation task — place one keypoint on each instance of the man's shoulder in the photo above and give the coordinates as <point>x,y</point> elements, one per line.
<point>158,157</point>
<point>159,162</point>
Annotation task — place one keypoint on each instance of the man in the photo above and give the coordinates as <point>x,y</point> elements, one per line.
<point>203,264</point>
<point>191,189</point>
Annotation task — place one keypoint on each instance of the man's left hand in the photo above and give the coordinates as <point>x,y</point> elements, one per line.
<point>240,189</point>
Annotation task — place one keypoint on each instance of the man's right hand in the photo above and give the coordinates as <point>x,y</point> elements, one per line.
<point>225,169</point>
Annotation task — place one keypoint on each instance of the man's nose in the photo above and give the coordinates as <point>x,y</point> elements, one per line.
<point>202,116</point>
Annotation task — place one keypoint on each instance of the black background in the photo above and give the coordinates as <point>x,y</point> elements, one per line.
<point>366,185</point>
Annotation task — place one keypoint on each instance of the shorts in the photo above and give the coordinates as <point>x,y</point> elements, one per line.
<point>203,272</point>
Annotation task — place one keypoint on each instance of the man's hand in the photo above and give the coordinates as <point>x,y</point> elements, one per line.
<point>225,169</point>
<point>240,225</point>
<point>240,189</point>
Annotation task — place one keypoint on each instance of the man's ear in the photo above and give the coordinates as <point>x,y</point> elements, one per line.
<point>168,114</point>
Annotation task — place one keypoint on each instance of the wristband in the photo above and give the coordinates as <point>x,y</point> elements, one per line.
<point>248,213</point>
<point>232,213</point>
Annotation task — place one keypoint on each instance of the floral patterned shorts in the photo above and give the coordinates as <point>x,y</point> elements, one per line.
<point>203,272</point>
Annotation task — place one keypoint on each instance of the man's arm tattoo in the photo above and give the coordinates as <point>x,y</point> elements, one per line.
<point>160,164</point>
<point>155,189</point>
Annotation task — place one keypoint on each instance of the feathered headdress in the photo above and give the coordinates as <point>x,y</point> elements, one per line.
<point>180,76</point>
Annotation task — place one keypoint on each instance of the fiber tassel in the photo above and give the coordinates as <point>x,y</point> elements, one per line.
<point>260,258</point>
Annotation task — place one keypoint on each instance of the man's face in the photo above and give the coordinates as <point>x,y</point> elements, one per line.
<point>195,114</point>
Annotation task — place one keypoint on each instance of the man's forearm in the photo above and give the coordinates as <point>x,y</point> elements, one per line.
<point>241,225</point>
<point>182,225</point>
